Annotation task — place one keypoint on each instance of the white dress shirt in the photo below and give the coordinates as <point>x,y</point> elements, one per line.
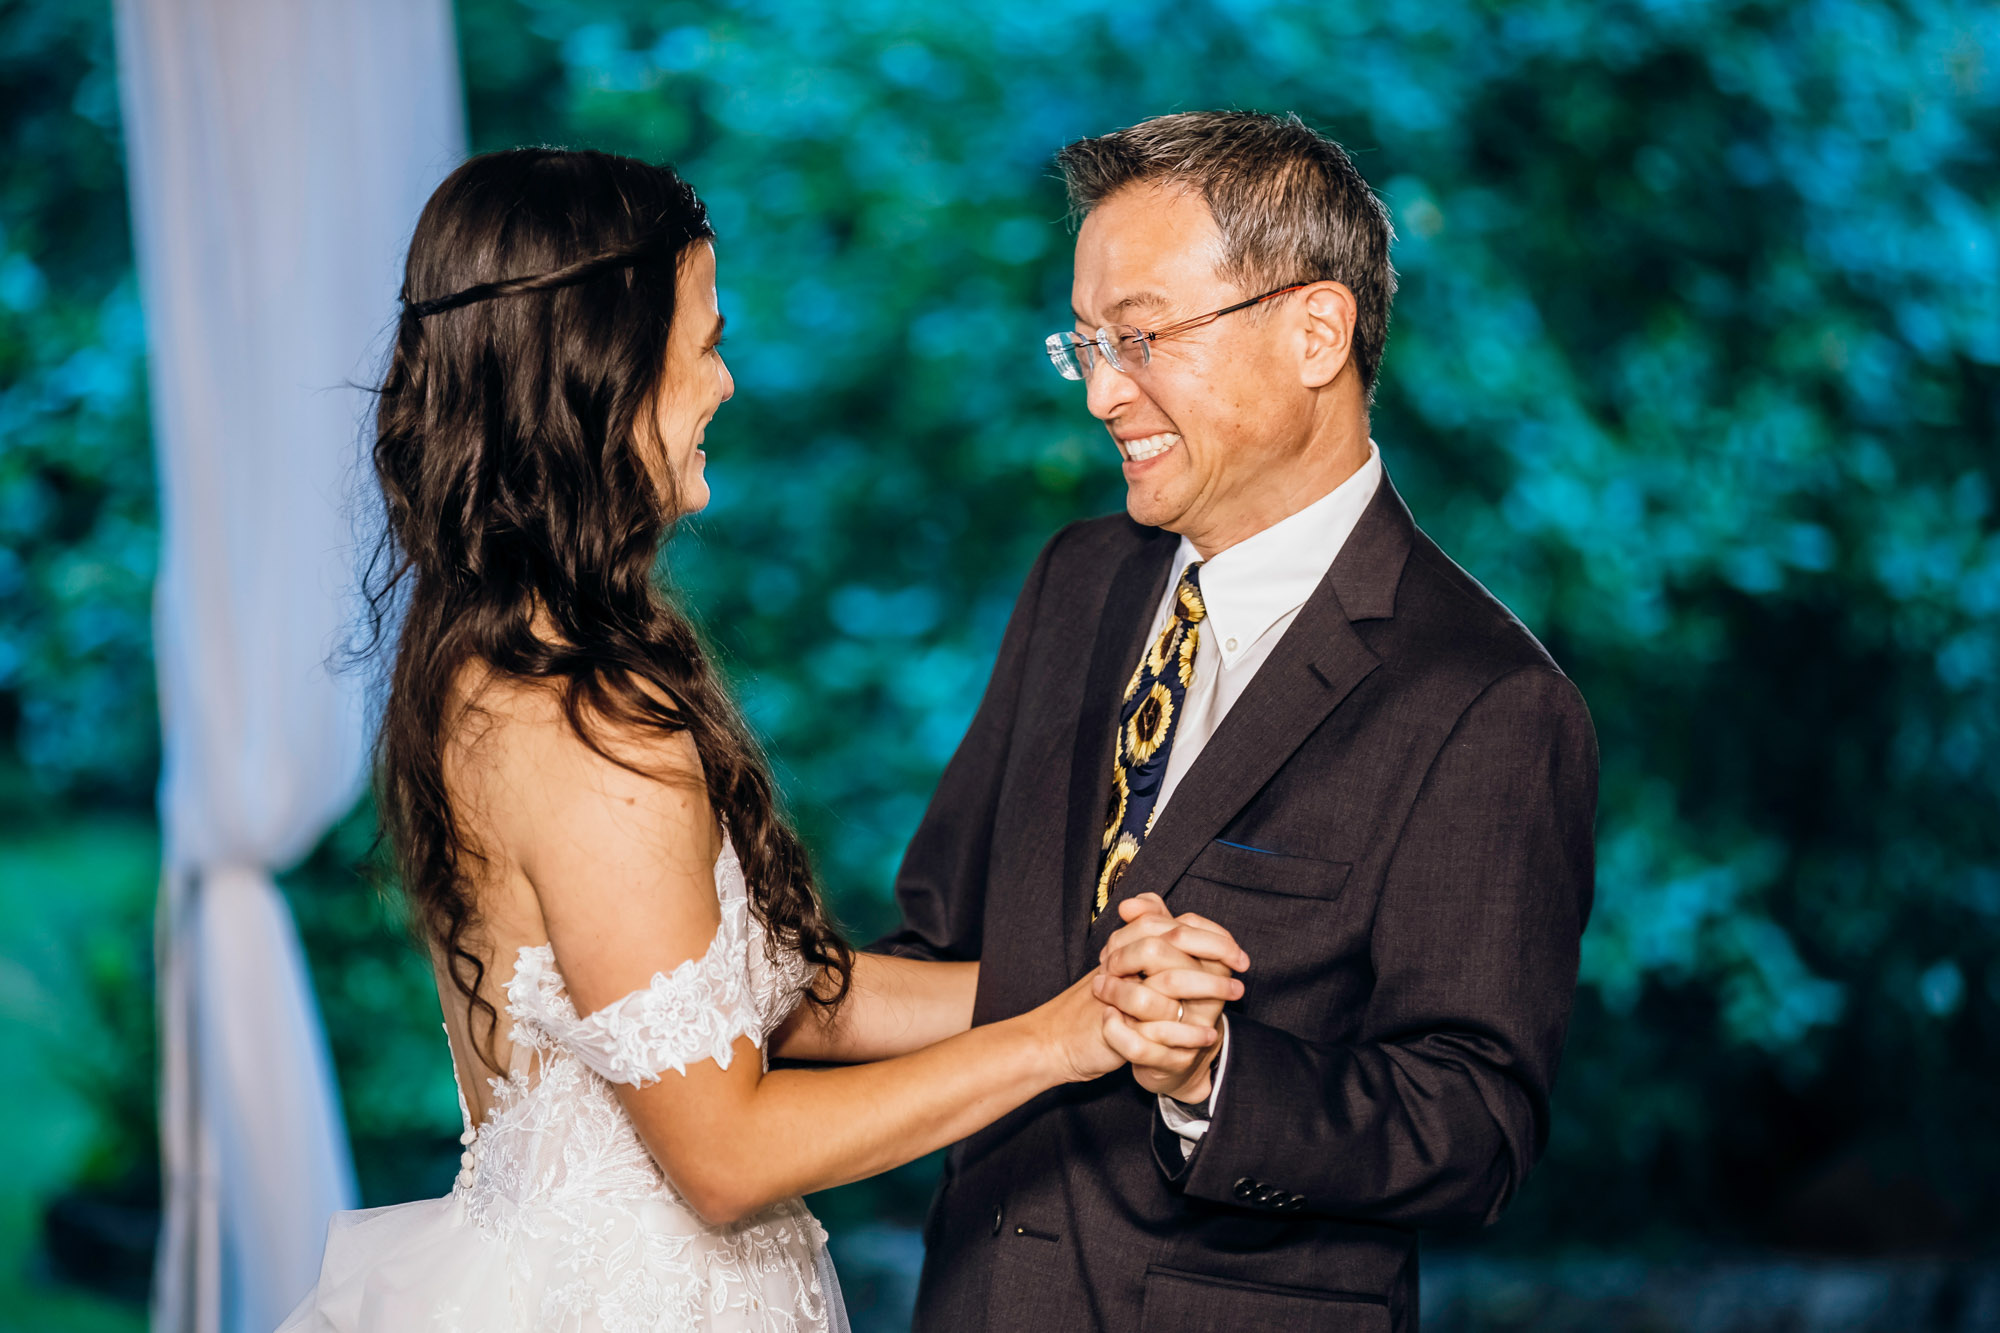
<point>1253,592</point>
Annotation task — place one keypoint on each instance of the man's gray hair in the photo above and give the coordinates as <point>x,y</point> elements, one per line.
<point>1289,204</point>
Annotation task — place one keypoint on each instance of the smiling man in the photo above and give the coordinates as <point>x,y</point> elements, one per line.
<point>1263,696</point>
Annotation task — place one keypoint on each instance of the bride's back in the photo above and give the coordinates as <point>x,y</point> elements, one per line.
<point>512,763</point>
<point>493,717</point>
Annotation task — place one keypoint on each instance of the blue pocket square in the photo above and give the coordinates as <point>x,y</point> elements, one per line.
<point>1245,847</point>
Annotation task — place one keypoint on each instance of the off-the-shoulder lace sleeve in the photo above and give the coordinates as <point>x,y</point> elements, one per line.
<point>694,1013</point>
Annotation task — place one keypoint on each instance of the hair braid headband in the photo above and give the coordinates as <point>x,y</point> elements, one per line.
<point>583,270</point>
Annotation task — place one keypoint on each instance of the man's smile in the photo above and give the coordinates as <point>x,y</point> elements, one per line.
<point>1148,447</point>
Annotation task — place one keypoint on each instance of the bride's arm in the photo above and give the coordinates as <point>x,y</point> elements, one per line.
<point>623,869</point>
<point>893,1006</point>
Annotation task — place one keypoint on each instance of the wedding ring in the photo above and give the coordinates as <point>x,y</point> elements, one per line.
<point>1180,1011</point>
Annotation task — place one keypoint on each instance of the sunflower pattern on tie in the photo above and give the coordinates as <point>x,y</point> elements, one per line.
<point>1146,722</point>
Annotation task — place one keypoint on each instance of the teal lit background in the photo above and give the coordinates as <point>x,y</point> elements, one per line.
<point>1696,364</point>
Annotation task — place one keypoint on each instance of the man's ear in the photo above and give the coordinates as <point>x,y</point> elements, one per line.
<point>1327,338</point>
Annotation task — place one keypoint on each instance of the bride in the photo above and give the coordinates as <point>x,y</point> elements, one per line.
<point>623,925</point>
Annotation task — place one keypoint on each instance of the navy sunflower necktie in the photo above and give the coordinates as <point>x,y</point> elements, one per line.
<point>1146,722</point>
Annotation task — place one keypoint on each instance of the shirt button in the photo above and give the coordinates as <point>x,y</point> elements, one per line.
<point>1229,645</point>
<point>998,1214</point>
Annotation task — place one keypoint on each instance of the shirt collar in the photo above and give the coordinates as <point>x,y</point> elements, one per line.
<point>1267,576</point>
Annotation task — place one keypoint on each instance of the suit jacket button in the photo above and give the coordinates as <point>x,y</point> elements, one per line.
<point>998,1215</point>
<point>1296,1202</point>
<point>1246,1188</point>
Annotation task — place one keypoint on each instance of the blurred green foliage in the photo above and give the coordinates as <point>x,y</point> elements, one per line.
<point>77,528</point>
<point>76,1039</point>
<point>1694,364</point>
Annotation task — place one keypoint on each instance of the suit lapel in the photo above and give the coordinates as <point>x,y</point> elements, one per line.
<point>1121,631</point>
<point>1311,670</point>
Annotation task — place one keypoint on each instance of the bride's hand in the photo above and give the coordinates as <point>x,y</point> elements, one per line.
<point>1168,978</point>
<point>1194,936</point>
<point>1072,1024</point>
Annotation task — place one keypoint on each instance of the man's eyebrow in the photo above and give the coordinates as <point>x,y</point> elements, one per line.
<point>1136,301</point>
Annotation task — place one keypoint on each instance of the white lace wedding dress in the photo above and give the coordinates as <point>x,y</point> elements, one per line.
<point>560,1220</point>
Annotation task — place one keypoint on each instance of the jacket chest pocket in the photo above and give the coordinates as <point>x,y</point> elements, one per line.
<point>1243,867</point>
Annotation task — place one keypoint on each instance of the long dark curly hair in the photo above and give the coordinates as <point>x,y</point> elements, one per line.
<point>538,297</point>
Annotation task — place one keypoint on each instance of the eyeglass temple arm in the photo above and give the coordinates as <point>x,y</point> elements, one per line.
<point>1212,315</point>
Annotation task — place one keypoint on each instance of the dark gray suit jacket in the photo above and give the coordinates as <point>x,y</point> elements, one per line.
<point>1395,821</point>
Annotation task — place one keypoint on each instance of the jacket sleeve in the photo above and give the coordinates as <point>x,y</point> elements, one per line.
<point>1436,1114</point>
<point>941,887</point>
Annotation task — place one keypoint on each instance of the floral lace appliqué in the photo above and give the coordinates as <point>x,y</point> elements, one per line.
<point>694,1013</point>
<point>559,1176</point>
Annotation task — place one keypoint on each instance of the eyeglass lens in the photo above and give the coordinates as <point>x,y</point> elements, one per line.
<point>1126,348</point>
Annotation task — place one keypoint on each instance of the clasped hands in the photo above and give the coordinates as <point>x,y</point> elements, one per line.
<point>1163,980</point>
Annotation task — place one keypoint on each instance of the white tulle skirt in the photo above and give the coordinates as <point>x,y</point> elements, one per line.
<point>427,1267</point>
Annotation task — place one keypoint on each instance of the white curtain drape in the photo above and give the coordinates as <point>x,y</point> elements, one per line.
<point>278,155</point>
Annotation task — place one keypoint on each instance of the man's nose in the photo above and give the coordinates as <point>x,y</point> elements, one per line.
<point>1108,389</point>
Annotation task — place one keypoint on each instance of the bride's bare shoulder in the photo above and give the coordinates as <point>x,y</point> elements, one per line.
<point>513,742</point>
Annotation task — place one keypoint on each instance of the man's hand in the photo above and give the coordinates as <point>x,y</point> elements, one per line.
<point>1166,979</point>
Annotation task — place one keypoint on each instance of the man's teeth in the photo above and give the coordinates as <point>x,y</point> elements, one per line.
<point>1150,447</point>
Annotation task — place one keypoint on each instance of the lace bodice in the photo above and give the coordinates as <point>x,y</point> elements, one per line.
<point>557,1169</point>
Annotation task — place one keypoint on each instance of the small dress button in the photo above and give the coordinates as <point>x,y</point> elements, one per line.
<point>998,1216</point>
<point>1246,1188</point>
<point>1229,645</point>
